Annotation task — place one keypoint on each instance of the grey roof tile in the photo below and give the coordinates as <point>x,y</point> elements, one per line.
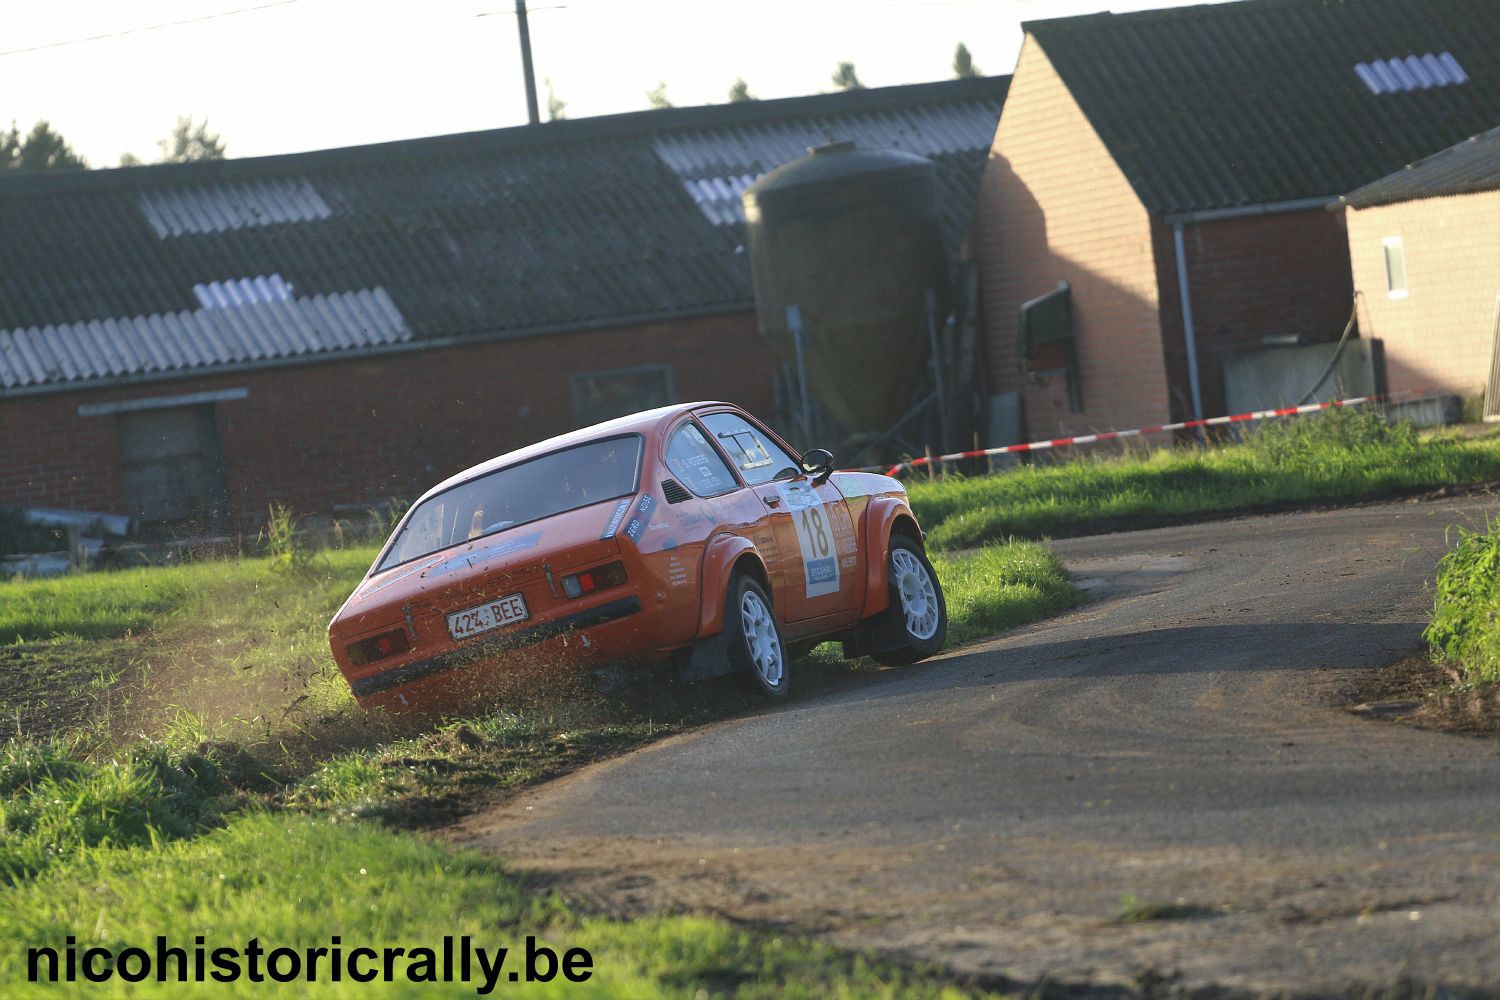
<point>1470,167</point>
<point>514,230</point>
<point>1235,104</point>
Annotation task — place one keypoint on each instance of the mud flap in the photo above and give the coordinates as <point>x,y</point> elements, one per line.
<point>704,660</point>
<point>882,634</point>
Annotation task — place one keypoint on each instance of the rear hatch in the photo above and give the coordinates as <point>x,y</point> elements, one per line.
<point>521,569</point>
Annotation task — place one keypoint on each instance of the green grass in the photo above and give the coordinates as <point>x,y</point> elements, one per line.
<point>241,592</point>
<point>1341,454</point>
<point>1465,631</point>
<point>293,881</point>
<point>1000,587</point>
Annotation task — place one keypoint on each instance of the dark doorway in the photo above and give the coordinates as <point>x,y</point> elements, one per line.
<point>171,468</point>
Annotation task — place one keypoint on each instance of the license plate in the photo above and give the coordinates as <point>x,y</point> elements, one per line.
<point>491,615</point>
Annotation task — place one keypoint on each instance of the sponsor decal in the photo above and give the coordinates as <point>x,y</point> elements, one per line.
<point>816,539</point>
<point>615,517</point>
<point>395,578</point>
<point>677,573</point>
<point>481,555</point>
<point>642,518</point>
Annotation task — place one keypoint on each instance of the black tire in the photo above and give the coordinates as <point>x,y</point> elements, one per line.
<point>753,639</point>
<point>916,635</point>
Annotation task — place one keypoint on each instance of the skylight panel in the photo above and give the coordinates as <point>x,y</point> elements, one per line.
<point>243,291</point>
<point>1402,75</point>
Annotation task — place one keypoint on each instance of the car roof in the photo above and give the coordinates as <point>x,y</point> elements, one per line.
<point>645,422</point>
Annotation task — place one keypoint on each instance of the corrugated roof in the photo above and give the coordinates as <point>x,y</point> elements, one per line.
<point>73,353</point>
<point>1470,167</point>
<point>568,224</point>
<point>1228,105</point>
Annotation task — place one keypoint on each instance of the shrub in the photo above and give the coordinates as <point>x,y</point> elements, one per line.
<point>1336,429</point>
<point>1464,630</point>
<point>289,552</point>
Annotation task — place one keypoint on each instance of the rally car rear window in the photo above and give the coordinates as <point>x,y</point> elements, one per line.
<point>542,487</point>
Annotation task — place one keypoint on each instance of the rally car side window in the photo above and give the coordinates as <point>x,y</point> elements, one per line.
<point>697,465</point>
<point>759,459</point>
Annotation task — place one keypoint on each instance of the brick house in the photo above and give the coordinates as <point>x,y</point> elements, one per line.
<point>188,342</point>
<point>1424,246</point>
<point>1185,158</point>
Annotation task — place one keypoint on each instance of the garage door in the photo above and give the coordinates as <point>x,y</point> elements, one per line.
<point>170,467</point>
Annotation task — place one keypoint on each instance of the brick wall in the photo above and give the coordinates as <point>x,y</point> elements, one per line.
<point>1285,273</point>
<point>1053,206</point>
<point>358,431</point>
<point>1441,334</point>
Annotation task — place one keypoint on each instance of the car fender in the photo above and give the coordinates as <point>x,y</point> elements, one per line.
<point>720,556</point>
<point>883,515</point>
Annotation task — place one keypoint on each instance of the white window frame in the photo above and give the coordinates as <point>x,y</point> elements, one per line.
<point>1399,245</point>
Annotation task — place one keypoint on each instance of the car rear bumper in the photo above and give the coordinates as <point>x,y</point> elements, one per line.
<point>588,618</point>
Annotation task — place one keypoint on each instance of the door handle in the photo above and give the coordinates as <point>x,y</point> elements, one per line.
<point>772,501</point>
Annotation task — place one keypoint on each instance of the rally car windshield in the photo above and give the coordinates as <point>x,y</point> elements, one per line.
<point>541,487</point>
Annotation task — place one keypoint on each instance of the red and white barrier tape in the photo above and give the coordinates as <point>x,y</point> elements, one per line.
<point>1238,418</point>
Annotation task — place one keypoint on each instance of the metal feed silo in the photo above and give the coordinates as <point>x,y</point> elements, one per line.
<point>847,243</point>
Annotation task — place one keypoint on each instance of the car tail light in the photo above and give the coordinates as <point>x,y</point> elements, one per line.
<point>590,580</point>
<point>378,647</point>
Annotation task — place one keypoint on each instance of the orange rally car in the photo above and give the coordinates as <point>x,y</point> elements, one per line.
<point>689,531</point>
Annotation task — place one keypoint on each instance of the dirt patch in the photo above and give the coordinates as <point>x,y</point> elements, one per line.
<point>1421,693</point>
<point>49,688</point>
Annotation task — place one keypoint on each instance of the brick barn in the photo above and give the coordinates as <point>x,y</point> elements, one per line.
<point>186,343</point>
<point>1187,157</point>
<point>1424,244</point>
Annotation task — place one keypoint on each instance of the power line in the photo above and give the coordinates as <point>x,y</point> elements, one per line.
<point>149,27</point>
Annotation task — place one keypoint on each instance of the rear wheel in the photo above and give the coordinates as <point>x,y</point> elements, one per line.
<point>918,614</point>
<point>754,637</point>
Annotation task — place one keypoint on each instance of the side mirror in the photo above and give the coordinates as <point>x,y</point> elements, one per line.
<point>818,463</point>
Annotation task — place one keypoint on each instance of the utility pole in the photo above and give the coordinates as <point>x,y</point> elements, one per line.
<point>526,62</point>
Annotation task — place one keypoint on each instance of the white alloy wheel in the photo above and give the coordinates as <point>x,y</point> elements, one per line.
<point>919,600</point>
<point>761,639</point>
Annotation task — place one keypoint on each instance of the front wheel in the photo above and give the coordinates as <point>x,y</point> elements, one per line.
<point>754,637</point>
<point>918,612</point>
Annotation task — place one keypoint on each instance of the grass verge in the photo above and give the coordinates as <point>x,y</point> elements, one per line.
<point>1338,455</point>
<point>295,881</point>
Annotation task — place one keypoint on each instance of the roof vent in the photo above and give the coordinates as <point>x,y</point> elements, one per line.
<point>674,491</point>
<point>1399,76</point>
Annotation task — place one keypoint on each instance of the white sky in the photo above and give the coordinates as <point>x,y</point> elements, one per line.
<point>309,74</point>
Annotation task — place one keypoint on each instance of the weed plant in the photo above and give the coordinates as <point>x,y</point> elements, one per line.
<point>1465,631</point>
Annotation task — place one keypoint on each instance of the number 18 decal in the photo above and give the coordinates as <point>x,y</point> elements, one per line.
<point>820,557</point>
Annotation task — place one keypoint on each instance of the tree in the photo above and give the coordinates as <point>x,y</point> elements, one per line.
<point>41,149</point>
<point>191,142</point>
<point>963,63</point>
<point>740,92</point>
<point>556,108</point>
<point>658,96</point>
<point>129,159</point>
<point>845,78</point>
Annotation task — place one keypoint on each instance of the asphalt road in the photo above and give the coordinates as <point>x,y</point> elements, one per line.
<point>1176,741</point>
